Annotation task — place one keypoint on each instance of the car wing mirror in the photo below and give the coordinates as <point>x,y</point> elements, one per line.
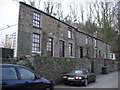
<point>38,77</point>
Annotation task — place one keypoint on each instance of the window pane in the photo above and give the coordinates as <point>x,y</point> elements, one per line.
<point>50,47</point>
<point>61,48</point>
<point>69,32</point>
<point>70,49</point>
<point>36,19</point>
<point>36,42</point>
<point>95,42</point>
<point>9,74</point>
<point>86,40</point>
<point>26,74</point>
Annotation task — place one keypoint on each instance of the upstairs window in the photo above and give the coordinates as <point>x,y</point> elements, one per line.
<point>86,39</point>
<point>95,43</point>
<point>70,32</point>
<point>36,19</point>
<point>36,42</point>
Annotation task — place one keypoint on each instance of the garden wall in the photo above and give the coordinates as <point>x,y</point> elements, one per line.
<point>53,67</point>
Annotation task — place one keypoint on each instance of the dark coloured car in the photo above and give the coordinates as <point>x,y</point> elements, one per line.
<point>79,77</point>
<point>14,77</point>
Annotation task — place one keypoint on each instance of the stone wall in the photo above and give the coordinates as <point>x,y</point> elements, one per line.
<point>53,67</point>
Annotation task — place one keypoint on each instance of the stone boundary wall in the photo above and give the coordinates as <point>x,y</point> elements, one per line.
<point>53,67</point>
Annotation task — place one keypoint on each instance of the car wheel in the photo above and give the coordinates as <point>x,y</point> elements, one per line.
<point>48,88</point>
<point>86,82</point>
<point>94,79</point>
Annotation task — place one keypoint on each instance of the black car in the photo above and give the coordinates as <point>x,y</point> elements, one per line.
<point>16,77</point>
<point>79,77</point>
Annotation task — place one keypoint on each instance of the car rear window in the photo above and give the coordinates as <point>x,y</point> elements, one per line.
<point>79,71</point>
<point>8,73</point>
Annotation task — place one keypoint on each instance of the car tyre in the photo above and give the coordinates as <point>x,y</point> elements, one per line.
<point>94,79</point>
<point>86,82</point>
<point>48,88</point>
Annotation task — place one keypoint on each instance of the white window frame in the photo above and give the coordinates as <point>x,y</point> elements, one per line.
<point>95,43</point>
<point>36,41</point>
<point>70,33</point>
<point>86,39</point>
<point>36,19</point>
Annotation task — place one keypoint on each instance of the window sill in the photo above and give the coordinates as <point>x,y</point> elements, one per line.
<point>70,38</point>
<point>37,27</point>
<point>71,56</point>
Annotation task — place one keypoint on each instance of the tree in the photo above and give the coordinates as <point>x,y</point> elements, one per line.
<point>105,16</point>
<point>106,20</point>
<point>32,3</point>
<point>48,7</point>
<point>59,11</point>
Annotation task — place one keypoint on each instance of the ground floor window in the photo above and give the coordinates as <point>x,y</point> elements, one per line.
<point>36,42</point>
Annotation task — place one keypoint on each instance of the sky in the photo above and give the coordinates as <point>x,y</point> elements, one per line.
<point>9,10</point>
<point>8,17</point>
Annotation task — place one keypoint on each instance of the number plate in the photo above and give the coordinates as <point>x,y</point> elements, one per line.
<point>71,78</point>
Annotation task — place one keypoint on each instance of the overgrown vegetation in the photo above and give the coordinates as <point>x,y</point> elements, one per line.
<point>28,62</point>
<point>59,60</point>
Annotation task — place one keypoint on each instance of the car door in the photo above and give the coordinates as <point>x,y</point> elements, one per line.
<point>29,80</point>
<point>9,77</point>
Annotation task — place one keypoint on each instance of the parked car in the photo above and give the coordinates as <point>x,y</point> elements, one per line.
<point>14,77</point>
<point>79,77</point>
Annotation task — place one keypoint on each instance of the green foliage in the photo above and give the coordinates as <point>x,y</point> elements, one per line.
<point>27,62</point>
<point>58,60</point>
<point>87,56</point>
<point>90,27</point>
<point>24,63</point>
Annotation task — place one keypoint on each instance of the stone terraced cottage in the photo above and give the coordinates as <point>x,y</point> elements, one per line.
<point>43,34</point>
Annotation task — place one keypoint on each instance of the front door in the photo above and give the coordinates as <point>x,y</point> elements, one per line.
<point>61,53</point>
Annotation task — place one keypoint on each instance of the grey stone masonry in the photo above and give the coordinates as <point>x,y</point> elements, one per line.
<point>82,44</point>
